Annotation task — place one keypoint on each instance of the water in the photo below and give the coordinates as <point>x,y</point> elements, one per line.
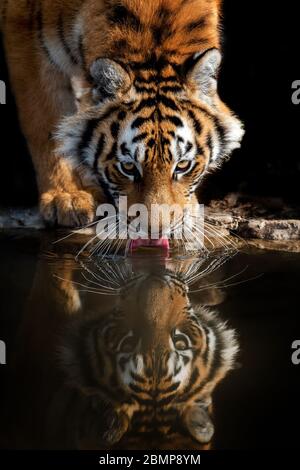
<point>145,352</point>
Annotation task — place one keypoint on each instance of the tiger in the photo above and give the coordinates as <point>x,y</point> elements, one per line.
<point>132,362</point>
<point>152,362</point>
<point>118,97</point>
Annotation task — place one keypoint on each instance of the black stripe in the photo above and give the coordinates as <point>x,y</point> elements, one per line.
<point>61,34</point>
<point>171,79</point>
<point>107,175</point>
<point>160,33</point>
<point>135,388</point>
<point>209,142</point>
<point>200,150</point>
<point>99,151</point>
<point>185,360</point>
<point>87,136</point>
<point>174,120</point>
<point>216,364</point>
<point>145,89</point>
<point>192,381</point>
<point>196,123</point>
<point>197,24</point>
<point>139,137</point>
<point>124,149</point>
<point>168,102</point>
<point>121,15</point>
<point>145,401</point>
<point>166,400</point>
<point>188,147</point>
<point>172,388</point>
<point>205,353</point>
<point>114,129</point>
<point>171,89</point>
<point>32,6</point>
<point>105,188</point>
<point>145,103</point>
<point>81,51</point>
<point>91,126</point>
<point>122,115</point>
<point>219,128</point>
<point>120,45</point>
<point>151,143</point>
<point>137,378</point>
<point>196,42</point>
<point>112,154</point>
<point>162,30</point>
<point>41,37</point>
<point>148,372</point>
<point>139,121</point>
<point>153,64</point>
<point>147,154</point>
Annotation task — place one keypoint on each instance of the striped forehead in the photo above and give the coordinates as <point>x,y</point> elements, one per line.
<point>132,143</point>
<point>135,141</point>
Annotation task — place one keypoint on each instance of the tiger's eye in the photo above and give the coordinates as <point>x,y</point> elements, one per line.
<point>180,343</point>
<point>128,166</point>
<point>183,166</point>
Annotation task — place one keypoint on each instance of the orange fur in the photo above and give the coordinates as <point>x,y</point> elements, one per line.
<point>51,46</point>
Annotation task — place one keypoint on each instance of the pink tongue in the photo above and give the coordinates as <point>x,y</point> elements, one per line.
<point>162,243</point>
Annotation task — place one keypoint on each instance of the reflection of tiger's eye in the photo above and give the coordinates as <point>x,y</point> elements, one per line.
<point>180,343</point>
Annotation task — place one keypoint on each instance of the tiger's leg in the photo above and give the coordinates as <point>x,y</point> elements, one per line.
<point>44,95</point>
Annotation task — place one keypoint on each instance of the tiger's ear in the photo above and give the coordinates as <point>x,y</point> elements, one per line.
<point>202,72</point>
<point>198,422</point>
<point>108,79</point>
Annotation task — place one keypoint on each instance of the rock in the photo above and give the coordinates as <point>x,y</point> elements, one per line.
<point>247,217</point>
<point>255,218</point>
<point>270,229</point>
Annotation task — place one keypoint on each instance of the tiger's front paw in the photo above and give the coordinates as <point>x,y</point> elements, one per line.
<point>67,209</point>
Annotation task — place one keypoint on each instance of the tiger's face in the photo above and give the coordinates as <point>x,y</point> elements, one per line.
<point>155,359</point>
<point>153,132</point>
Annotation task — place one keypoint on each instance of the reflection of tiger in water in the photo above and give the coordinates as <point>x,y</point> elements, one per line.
<point>154,359</point>
<point>132,370</point>
<point>151,123</point>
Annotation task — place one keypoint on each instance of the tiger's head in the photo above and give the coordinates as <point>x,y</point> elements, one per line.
<point>151,132</point>
<point>154,359</point>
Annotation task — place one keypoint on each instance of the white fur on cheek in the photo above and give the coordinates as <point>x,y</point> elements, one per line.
<point>215,148</point>
<point>235,133</point>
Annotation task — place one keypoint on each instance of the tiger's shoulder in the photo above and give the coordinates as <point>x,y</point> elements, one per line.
<point>127,30</point>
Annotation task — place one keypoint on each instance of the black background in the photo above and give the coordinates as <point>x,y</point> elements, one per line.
<point>261,60</point>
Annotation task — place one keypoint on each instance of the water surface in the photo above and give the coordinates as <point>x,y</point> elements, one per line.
<point>144,352</point>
